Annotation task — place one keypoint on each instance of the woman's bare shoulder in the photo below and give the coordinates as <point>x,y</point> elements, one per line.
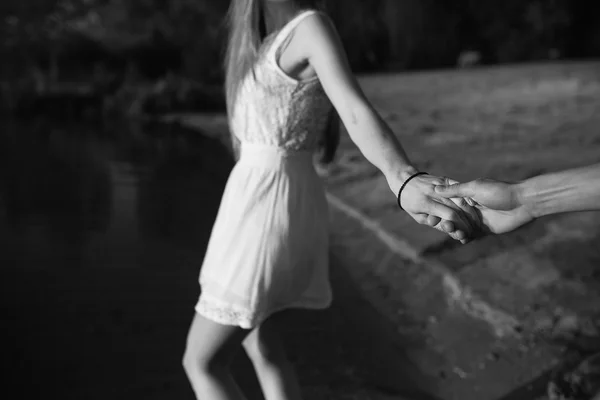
<point>317,31</point>
<point>318,20</point>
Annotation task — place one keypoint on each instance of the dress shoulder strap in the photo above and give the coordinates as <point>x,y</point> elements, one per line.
<point>284,33</point>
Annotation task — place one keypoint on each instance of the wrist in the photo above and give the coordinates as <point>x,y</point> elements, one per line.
<point>526,197</point>
<point>396,180</point>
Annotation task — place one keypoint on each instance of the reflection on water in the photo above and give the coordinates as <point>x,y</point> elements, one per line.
<point>113,196</point>
<point>102,232</point>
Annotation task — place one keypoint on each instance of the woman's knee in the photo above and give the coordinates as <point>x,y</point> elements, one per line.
<point>210,346</point>
<point>263,346</point>
<point>196,361</point>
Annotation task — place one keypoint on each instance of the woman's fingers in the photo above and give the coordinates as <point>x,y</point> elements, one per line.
<point>419,217</point>
<point>435,222</point>
<point>463,214</point>
<point>441,225</point>
<point>452,232</point>
<point>445,226</point>
<point>432,220</point>
<point>469,211</point>
<point>460,236</point>
<point>443,211</point>
<point>421,202</point>
<point>448,226</point>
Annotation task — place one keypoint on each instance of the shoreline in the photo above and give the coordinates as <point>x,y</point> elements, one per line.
<point>436,119</point>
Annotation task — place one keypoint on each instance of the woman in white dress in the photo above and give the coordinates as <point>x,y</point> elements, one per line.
<point>286,72</point>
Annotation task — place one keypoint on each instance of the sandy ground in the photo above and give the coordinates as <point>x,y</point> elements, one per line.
<point>507,123</point>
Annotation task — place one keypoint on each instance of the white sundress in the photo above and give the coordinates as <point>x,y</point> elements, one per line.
<point>268,249</point>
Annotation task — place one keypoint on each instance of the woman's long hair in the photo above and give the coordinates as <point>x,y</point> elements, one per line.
<point>246,33</point>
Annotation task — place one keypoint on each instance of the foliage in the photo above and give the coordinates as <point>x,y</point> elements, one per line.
<point>516,30</point>
<point>397,34</point>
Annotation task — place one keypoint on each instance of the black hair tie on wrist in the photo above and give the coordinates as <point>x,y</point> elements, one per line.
<point>404,184</point>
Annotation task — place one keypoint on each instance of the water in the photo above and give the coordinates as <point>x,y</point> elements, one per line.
<point>102,232</point>
<point>123,196</point>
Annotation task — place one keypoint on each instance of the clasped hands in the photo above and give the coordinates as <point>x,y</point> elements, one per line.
<point>464,211</point>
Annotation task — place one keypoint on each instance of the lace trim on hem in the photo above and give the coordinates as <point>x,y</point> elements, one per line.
<point>228,314</point>
<point>225,314</point>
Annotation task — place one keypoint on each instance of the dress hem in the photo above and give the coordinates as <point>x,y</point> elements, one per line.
<point>229,314</point>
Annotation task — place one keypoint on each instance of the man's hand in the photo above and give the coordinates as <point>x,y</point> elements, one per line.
<point>498,203</point>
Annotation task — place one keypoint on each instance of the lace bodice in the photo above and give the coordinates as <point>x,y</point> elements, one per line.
<point>273,108</point>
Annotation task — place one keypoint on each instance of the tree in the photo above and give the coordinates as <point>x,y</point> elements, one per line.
<point>30,28</point>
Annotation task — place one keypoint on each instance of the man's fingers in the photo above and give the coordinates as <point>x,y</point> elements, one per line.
<point>455,190</point>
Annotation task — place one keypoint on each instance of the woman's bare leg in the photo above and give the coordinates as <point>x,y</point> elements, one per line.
<point>274,371</point>
<point>208,355</point>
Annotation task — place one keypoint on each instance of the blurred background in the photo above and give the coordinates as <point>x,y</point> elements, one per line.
<point>114,155</point>
<point>180,42</point>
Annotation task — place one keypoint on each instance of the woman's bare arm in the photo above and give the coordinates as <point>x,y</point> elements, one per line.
<point>323,50</point>
<point>366,128</point>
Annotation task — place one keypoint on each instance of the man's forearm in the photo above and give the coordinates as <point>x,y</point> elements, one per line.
<point>575,189</point>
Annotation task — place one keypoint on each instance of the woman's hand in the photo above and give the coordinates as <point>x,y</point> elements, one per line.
<point>498,203</point>
<point>455,217</point>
